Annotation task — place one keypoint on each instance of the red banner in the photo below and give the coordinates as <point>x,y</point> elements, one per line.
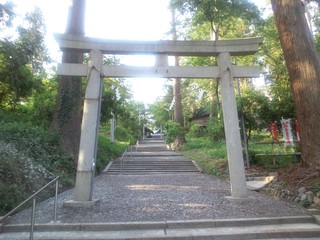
<point>286,131</point>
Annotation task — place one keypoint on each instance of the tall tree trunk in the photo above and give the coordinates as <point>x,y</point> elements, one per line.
<point>214,94</point>
<point>178,115</point>
<point>304,72</point>
<point>67,118</point>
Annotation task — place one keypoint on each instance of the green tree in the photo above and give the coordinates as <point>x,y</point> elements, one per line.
<point>161,110</point>
<point>255,106</point>
<point>176,85</point>
<point>6,14</point>
<point>67,117</point>
<point>215,19</point>
<point>217,13</point>
<point>270,58</point>
<point>31,42</point>
<point>21,61</point>
<point>41,105</point>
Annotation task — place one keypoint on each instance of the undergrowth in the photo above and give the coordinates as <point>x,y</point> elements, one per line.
<point>30,157</point>
<point>212,155</point>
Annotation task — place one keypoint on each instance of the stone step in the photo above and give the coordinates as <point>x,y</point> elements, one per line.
<point>152,155</point>
<point>164,164</point>
<point>143,172</point>
<point>146,173</point>
<point>299,227</point>
<point>148,166</point>
<point>153,167</point>
<point>152,170</point>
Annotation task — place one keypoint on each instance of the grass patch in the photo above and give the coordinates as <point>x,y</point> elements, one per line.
<point>284,156</point>
<point>108,151</point>
<point>211,156</point>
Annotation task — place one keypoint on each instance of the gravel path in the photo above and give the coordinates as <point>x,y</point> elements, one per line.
<point>161,197</point>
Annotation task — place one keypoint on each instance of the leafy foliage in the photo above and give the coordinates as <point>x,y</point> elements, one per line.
<point>215,128</point>
<point>217,13</point>
<point>211,156</point>
<point>30,158</point>
<point>172,131</point>
<point>20,59</point>
<point>196,131</point>
<point>108,151</point>
<point>255,107</point>
<point>276,76</point>
<point>6,15</point>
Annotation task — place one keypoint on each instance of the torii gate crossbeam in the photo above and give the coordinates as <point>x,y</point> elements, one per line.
<point>225,71</point>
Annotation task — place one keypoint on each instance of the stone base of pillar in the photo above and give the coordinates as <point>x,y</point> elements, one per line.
<point>79,204</point>
<point>240,199</point>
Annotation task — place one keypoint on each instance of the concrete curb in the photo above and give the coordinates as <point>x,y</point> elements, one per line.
<point>194,224</point>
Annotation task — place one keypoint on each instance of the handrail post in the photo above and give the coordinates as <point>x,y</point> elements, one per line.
<point>32,218</point>
<point>56,201</point>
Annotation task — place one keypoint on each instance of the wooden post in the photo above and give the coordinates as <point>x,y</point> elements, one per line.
<point>232,129</point>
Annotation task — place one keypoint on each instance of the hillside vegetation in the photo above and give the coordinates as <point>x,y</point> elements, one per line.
<point>30,157</point>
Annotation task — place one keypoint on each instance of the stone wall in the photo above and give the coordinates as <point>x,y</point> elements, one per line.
<point>302,196</point>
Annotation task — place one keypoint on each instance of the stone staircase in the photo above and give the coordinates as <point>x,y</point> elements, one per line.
<point>302,227</point>
<point>151,156</point>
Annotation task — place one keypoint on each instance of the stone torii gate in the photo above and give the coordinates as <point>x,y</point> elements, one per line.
<point>94,70</point>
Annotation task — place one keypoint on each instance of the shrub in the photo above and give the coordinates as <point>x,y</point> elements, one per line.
<point>218,153</point>
<point>316,186</point>
<point>124,135</point>
<point>196,131</point>
<point>215,129</point>
<point>30,158</point>
<point>172,131</point>
<point>20,175</point>
<point>108,151</point>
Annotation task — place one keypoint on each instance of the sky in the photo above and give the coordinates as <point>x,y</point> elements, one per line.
<point>113,19</point>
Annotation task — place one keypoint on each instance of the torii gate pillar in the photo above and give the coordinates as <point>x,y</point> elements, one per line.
<point>89,133</point>
<point>231,126</point>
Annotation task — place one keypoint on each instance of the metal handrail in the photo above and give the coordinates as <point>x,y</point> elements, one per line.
<point>32,197</point>
<point>121,159</point>
<point>129,149</point>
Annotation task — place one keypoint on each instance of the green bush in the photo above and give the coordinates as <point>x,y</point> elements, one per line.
<point>172,131</point>
<point>10,196</point>
<point>215,129</point>
<point>123,134</point>
<point>211,156</point>
<point>19,174</point>
<point>217,153</point>
<point>108,151</point>
<point>196,131</point>
<point>30,158</point>
<point>37,144</point>
<point>198,143</point>
<point>316,186</point>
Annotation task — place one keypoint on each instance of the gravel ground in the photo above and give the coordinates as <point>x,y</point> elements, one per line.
<point>161,197</point>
